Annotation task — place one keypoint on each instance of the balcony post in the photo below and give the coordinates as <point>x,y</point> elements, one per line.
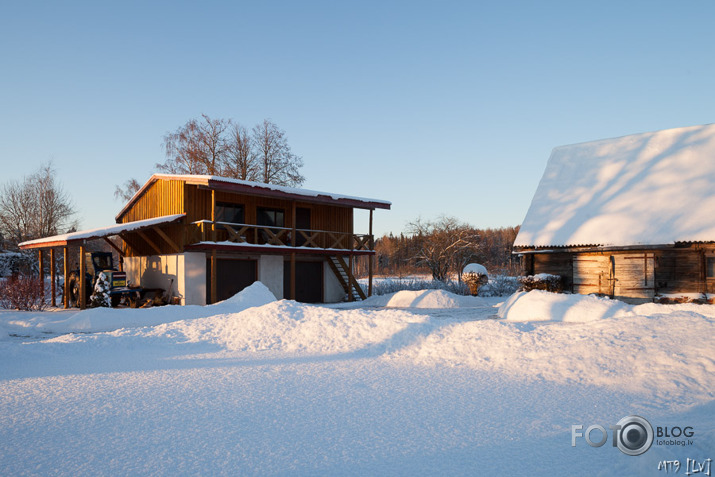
<point>370,258</point>
<point>213,292</point>
<point>292,254</point>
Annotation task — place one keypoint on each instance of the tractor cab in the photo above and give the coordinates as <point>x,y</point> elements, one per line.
<point>103,262</point>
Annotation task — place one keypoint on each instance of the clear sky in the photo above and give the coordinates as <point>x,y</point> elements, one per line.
<point>440,107</point>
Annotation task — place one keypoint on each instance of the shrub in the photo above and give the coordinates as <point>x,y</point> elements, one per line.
<point>12,263</point>
<point>21,292</point>
<point>384,287</point>
<point>542,281</point>
<point>500,285</point>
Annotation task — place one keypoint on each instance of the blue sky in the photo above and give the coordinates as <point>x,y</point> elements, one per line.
<point>440,107</point>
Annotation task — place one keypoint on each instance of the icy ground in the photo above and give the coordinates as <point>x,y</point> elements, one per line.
<point>416,383</point>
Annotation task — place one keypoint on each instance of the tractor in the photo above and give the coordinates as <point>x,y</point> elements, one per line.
<point>100,262</point>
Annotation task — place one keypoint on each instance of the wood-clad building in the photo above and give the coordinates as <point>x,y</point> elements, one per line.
<point>209,237</point>
<point>630,217</point>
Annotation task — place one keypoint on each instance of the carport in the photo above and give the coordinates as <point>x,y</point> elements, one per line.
<point>80,239</point>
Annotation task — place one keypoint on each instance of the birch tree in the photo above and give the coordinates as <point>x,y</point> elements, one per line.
<point>35,207</point>
<point>276,162</point>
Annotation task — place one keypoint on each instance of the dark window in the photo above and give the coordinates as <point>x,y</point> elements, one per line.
<point>231,213</point>
<point>710,267</point>
<point>302,221</point>
<point>271,217</point>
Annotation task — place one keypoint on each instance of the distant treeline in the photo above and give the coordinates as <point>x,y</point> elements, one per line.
<point>442,249</point>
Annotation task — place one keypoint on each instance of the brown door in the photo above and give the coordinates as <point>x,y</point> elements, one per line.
<point>232,276</point>
<point>635,275</point>
<point>308,281</point>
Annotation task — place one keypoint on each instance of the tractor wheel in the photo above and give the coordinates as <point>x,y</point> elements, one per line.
<point>115,299</point>
<point>74,289</point>
<point>75,286</point>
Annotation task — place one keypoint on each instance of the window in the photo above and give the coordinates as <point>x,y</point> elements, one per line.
<point>710,267</point>
<point>230,213</point>
<point>271,217</point>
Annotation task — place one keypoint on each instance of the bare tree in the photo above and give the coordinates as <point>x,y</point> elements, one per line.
<point>277,164</point>
<point>36,207</point>
<point>443,245</point>
<point>126,191</point>
<point>222,147</point>
<point>240,161</point>
<point>198,147</point>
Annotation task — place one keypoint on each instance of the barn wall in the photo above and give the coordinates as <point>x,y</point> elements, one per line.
<point>553,264</point>
<point>632,275</point>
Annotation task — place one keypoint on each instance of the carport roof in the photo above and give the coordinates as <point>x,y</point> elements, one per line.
<point>100,233</point>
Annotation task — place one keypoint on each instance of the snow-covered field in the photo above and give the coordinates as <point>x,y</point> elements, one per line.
<point>415,383</point>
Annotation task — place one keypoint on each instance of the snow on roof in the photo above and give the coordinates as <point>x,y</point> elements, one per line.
<point>646,189</point>
<point>100,232</point>
<point>261,189</point>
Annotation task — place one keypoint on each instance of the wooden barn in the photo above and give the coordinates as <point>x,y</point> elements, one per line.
<point>209,237</point>
<point>630,218</point>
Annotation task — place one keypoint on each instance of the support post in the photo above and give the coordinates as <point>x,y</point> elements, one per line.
<point>52,277</point>
<point>82,279</point>
<point>214,295</point>
<point>42,272</point>
<point>66,294</point>
<point>371,258</point>
<point>292,255</point>
<point>213,215</point>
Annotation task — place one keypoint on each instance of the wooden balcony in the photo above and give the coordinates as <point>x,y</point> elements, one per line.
<point>208,232</point>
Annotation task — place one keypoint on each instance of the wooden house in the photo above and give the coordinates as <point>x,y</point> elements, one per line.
<point>630,217</point>
<point>209,237</point>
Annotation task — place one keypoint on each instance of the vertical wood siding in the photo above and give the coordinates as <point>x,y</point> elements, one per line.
<point>632,273</point>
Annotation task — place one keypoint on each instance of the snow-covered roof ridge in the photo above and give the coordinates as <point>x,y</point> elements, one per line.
<point>644,189</point>
<point>258,187</point>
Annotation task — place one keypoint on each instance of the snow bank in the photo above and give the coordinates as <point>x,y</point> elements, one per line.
<point>289,326</point>
<point>110,319</point>
<point>538,305</point>
<point>425,299</point>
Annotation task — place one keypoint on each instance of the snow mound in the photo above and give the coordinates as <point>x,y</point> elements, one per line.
<point>475,268</point>
<point>289,326</point>
<point>256,294</point>
<point>538,305</point>
<point>425,299</point>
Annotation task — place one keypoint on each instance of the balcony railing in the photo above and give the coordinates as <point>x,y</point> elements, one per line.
<point>208,231</point>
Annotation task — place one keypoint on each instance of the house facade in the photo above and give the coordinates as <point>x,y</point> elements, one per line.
<point>205,238</point>
<point>629,217</point>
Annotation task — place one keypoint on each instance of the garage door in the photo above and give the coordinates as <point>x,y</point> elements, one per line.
<point>232,276</point>
<point>308,281</point>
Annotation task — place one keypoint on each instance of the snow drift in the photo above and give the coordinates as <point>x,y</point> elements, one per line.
<point>424,299</point>
<point>537,305</point>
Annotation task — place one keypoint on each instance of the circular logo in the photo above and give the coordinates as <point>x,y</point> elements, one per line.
<point>635,435</point>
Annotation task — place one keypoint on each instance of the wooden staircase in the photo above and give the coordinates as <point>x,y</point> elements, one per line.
<point>346,279</point>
